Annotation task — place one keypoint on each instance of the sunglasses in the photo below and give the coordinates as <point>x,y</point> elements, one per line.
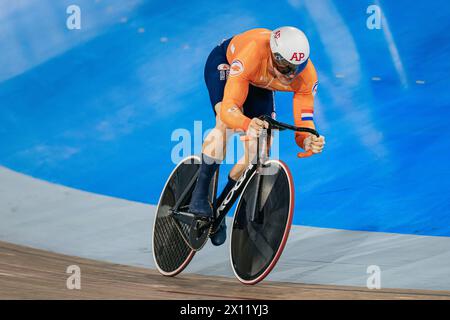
<point>285,67</point>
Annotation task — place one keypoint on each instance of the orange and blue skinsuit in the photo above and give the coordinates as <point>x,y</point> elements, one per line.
<point>240,76</point>
<point>249,57</point>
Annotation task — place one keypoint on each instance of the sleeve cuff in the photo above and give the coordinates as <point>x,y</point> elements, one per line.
<point>246,123</point>
<point>300,139</point>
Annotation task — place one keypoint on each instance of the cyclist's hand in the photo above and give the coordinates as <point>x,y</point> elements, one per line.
<point>255,127</point>
<point>313,143</point>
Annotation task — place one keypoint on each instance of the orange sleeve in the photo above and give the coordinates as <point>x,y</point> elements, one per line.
<point>244,64</point>
<point>236,91</point>
<point>303,115</point>
<point>304,103</point>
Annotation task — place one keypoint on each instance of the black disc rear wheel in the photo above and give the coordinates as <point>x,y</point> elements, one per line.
<point>170,250</point>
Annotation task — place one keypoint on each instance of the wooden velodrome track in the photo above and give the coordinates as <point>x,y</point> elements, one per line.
<point>27,273</point>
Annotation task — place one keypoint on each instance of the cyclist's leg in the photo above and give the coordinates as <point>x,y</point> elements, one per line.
<point>215,142</point>
<point>259,102</point>
<point>214,147</point>
<point>220,236</point>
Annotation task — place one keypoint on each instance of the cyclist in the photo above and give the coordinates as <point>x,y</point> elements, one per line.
<point>241,75</point>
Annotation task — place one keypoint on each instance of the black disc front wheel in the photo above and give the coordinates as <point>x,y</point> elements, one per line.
<point>262,222</point>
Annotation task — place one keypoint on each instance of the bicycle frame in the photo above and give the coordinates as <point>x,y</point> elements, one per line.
<point>261,156</point>
<point>221,210</point>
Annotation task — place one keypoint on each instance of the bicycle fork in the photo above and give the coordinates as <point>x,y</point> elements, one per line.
<point>261,157</point>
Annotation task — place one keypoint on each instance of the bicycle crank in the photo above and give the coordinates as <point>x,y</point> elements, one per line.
<point>199,233</point>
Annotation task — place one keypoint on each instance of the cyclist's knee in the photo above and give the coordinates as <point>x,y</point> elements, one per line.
<point>237,171</point>
<point>239,168</point>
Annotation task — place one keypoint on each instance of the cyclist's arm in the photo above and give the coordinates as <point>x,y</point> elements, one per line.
<point>236,91</point>
<point>303,106</point>
<point>242,69</point>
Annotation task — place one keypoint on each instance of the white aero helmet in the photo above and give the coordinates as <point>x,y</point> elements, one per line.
<point>290,50</point>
